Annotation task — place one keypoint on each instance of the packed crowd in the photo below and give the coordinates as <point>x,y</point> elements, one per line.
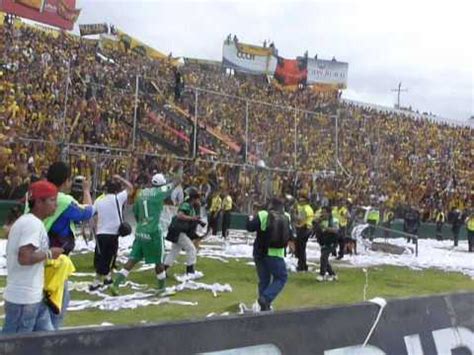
<point>61,88</point>
<point>41,239</point>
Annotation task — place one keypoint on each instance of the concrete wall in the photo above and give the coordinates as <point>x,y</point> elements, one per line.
<point>426,325</point>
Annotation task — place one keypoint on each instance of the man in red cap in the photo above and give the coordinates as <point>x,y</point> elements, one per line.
<point>27,250</point>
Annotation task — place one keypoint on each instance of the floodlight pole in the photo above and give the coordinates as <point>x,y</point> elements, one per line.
<point>398,91</point>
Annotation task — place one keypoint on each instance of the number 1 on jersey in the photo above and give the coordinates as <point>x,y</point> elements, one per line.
<point>145,207</point>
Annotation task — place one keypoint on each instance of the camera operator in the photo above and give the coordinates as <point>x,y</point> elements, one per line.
<point>60,226</point>
<point>181,230</point>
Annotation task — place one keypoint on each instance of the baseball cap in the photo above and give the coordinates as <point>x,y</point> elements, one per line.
<point>42,189</point>
<point>158,180</point>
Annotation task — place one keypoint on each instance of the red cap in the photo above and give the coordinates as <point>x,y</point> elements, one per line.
<point>42,189</point>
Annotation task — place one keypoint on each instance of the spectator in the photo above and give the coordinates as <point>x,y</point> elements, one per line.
<point>60,225</point>
<point>227,205</point>
<point>181,233</point>
<point>27,249</point>
<point>109,209</point>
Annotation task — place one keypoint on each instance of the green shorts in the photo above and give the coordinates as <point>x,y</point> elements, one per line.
<point>150,248</point>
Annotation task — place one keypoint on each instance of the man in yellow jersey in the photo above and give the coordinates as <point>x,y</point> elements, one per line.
<point>214,212</point>
<point>344,219</point>
<point>440,219</point>
<point>304,224</point>
<point>227,204</point>
<point>470,231</point>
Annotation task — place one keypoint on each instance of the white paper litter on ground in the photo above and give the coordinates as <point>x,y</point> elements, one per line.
<point>189,277</point>
<point>215,288</point>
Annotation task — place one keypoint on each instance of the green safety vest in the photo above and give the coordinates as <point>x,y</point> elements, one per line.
<point>263,217</point>
<point>374,215</point>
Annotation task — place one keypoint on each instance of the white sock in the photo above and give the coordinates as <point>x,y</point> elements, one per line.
<point>161,276</point>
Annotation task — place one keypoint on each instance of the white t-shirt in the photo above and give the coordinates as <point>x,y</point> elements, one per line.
<point>177,195</point>
<point>108,220</point>
<point>25,282</point>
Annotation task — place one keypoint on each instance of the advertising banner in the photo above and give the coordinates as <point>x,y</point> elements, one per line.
<point>58,13</point>
<point>248,59</point>
<point>129,43</point>
<point>93,29</point>
<point>329,72</point>
<point>291,71</point>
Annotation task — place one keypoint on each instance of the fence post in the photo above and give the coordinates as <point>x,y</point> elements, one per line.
<point>337,142</point>
<point>63,133</point>
<point>135,113</point>
<point>196,103</point>
<point>295,139</point>
<point>246,131</point>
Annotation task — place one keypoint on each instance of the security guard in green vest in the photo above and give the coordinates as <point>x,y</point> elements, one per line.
<point>327,232</point>
<point>273,227</point>
<point>470,232</point>
<point>440,220</point>
<point>373,218</point>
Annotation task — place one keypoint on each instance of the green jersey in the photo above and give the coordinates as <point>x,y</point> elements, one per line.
<point>149,205</point>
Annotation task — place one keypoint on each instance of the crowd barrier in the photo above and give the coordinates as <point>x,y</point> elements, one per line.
<point>442,324</point>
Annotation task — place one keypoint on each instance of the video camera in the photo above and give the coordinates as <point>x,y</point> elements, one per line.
<point>76,187</point>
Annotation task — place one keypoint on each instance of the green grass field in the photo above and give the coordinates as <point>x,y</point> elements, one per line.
<point>301,290</point>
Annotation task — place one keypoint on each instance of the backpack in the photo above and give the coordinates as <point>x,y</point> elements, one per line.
<point>278,229</point>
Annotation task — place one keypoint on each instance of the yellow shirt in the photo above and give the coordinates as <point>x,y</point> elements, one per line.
<point>56,272</point>
<point>343,220</point>
<point>470,223</point>
<point>216,204</point>
<point>305,215</point>
<point>227,203</point>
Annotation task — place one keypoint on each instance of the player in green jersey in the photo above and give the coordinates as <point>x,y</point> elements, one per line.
<point>148,244</point>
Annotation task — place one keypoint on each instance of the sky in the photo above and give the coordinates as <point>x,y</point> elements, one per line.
<point>426,45</point>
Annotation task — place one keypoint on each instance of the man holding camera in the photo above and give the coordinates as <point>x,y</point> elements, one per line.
<point>182,232</point>
<point>148,244</point>
<point>60,226</point>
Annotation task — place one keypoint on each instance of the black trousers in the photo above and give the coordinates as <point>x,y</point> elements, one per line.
<point>213,219</point>
<point>302,236</point>
<point>456,231</point>
<point>470,241</point>
<point>105,253</point>
<point>225,224</point>
<point>371,229</point>
<point>439,230</point>
<point>324,261</point>
<point>342,241</point>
